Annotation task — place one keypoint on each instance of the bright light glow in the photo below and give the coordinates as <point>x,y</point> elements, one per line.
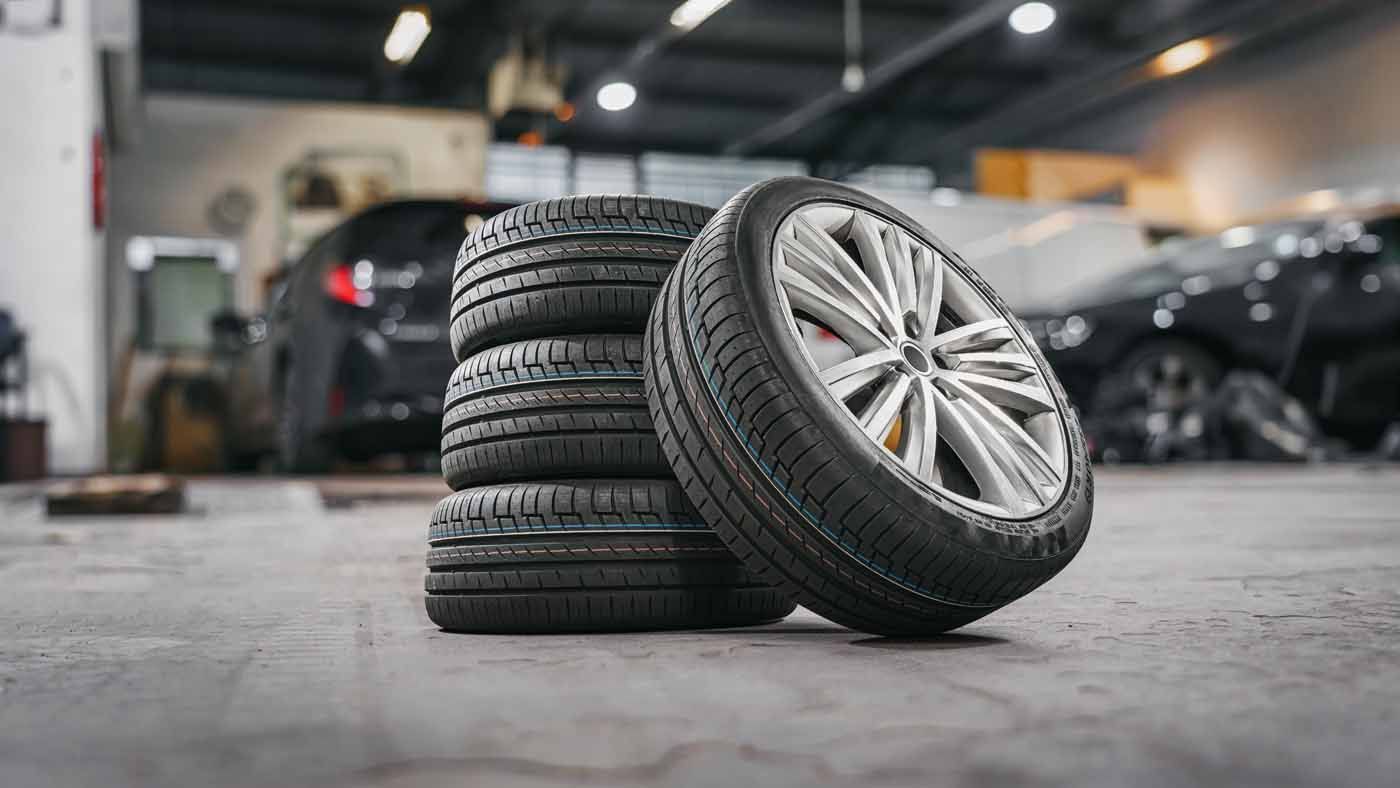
<point>616,96</point>
<point>853,78</point>
<point>691,13</point>
<point>1195,285</point>
<point>411,29</point>
<point>1184,57</point>
<point>1163,318</point>
<point>1237,237</point>
<point>1031,18</point>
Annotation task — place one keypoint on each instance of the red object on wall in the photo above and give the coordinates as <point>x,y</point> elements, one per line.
<point>99,181</point>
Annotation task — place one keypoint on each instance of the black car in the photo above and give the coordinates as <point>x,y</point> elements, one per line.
<point>1313,304</point>
<point>351,357</point>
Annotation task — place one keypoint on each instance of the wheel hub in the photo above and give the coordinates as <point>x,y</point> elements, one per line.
<point>917,359</point>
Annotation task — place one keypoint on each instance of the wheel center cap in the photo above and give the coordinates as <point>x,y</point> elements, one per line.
<point>916,358</point>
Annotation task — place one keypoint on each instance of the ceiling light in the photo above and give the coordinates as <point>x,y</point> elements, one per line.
<point>853,78</point>
<point>1184,57</point>
<point>411,29</point>
<point>616,96</point>
<point>691,13</point>
<point>1031,18</point>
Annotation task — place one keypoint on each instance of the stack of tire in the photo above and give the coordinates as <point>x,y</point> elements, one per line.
<point>566,515</point>
<point>920,470</point>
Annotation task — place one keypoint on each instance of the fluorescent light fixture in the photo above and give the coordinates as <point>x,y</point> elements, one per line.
<point>691,13</point>
<point>1031,18</point>
<point>411,29</point>
<point>1184,56</point>
<point>617,96</point>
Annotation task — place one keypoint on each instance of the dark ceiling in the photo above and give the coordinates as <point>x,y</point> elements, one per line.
<point>760,77</point>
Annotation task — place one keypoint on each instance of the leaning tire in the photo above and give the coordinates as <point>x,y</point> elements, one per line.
<point>566,407</point>
<point>792,470</point>
<point>588,264</point>
<point>593,555</point>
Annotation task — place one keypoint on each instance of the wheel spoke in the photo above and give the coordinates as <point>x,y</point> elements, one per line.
<point>992,481</point>
<point>866,234</point>
<point>824,248</point>
<point>1023,397</point>
<point>1010,436</point>
<point>920,427</point>
<point>853,326</point>
<point>905,281</point>
<point>982,335</point>
<point>854,374</point>
<point>1013,466</point>
<point>877,419</point>
<point>996,364</point>
<point>814,272</point>
<point>928,268</point>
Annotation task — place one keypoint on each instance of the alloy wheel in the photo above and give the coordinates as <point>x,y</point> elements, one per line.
<point>925,364</point>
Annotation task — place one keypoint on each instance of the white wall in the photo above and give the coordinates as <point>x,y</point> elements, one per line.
<point>192,149</point>
<point>50,254</point>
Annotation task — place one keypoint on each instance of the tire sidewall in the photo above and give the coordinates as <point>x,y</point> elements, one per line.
<point>1062,527</point>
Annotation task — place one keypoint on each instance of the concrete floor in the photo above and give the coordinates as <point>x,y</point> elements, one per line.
<point>1223,626</point>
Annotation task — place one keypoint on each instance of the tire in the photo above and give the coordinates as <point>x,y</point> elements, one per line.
<point>579,264</point>
<point>788,479</point>
<point>565,407</point>
<point>1154,405</point>
<point>300,447</point>
<point>1194,362</point>
<point>592,555</point>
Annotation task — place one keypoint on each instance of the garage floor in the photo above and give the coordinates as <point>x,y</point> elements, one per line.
<point>1228,626</point>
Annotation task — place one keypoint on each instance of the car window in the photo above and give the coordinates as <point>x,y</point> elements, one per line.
<point>412,225</point>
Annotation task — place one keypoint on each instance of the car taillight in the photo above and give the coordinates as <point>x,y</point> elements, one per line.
<point>339,284</point>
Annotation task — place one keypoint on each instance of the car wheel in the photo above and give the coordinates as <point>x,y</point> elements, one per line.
<point>300,448</point>
<point>591,555</point>
<point>929,476</point>
<point>1171,374</point>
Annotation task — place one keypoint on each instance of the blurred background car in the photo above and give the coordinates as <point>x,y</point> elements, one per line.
<point>350,357</point>
<point>1314,304</point>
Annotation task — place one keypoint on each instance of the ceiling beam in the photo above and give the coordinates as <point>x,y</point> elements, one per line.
<point>948,36</point>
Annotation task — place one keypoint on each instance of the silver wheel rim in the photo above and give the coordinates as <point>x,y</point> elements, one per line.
<point>926,366</point>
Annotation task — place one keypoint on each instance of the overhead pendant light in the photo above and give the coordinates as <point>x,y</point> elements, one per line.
<point>691,13</point>
<point>853,77</point>
<point>1184,56</point>
<point>617,96</point>
<point>410,30</point>
<point>1031,18</point>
